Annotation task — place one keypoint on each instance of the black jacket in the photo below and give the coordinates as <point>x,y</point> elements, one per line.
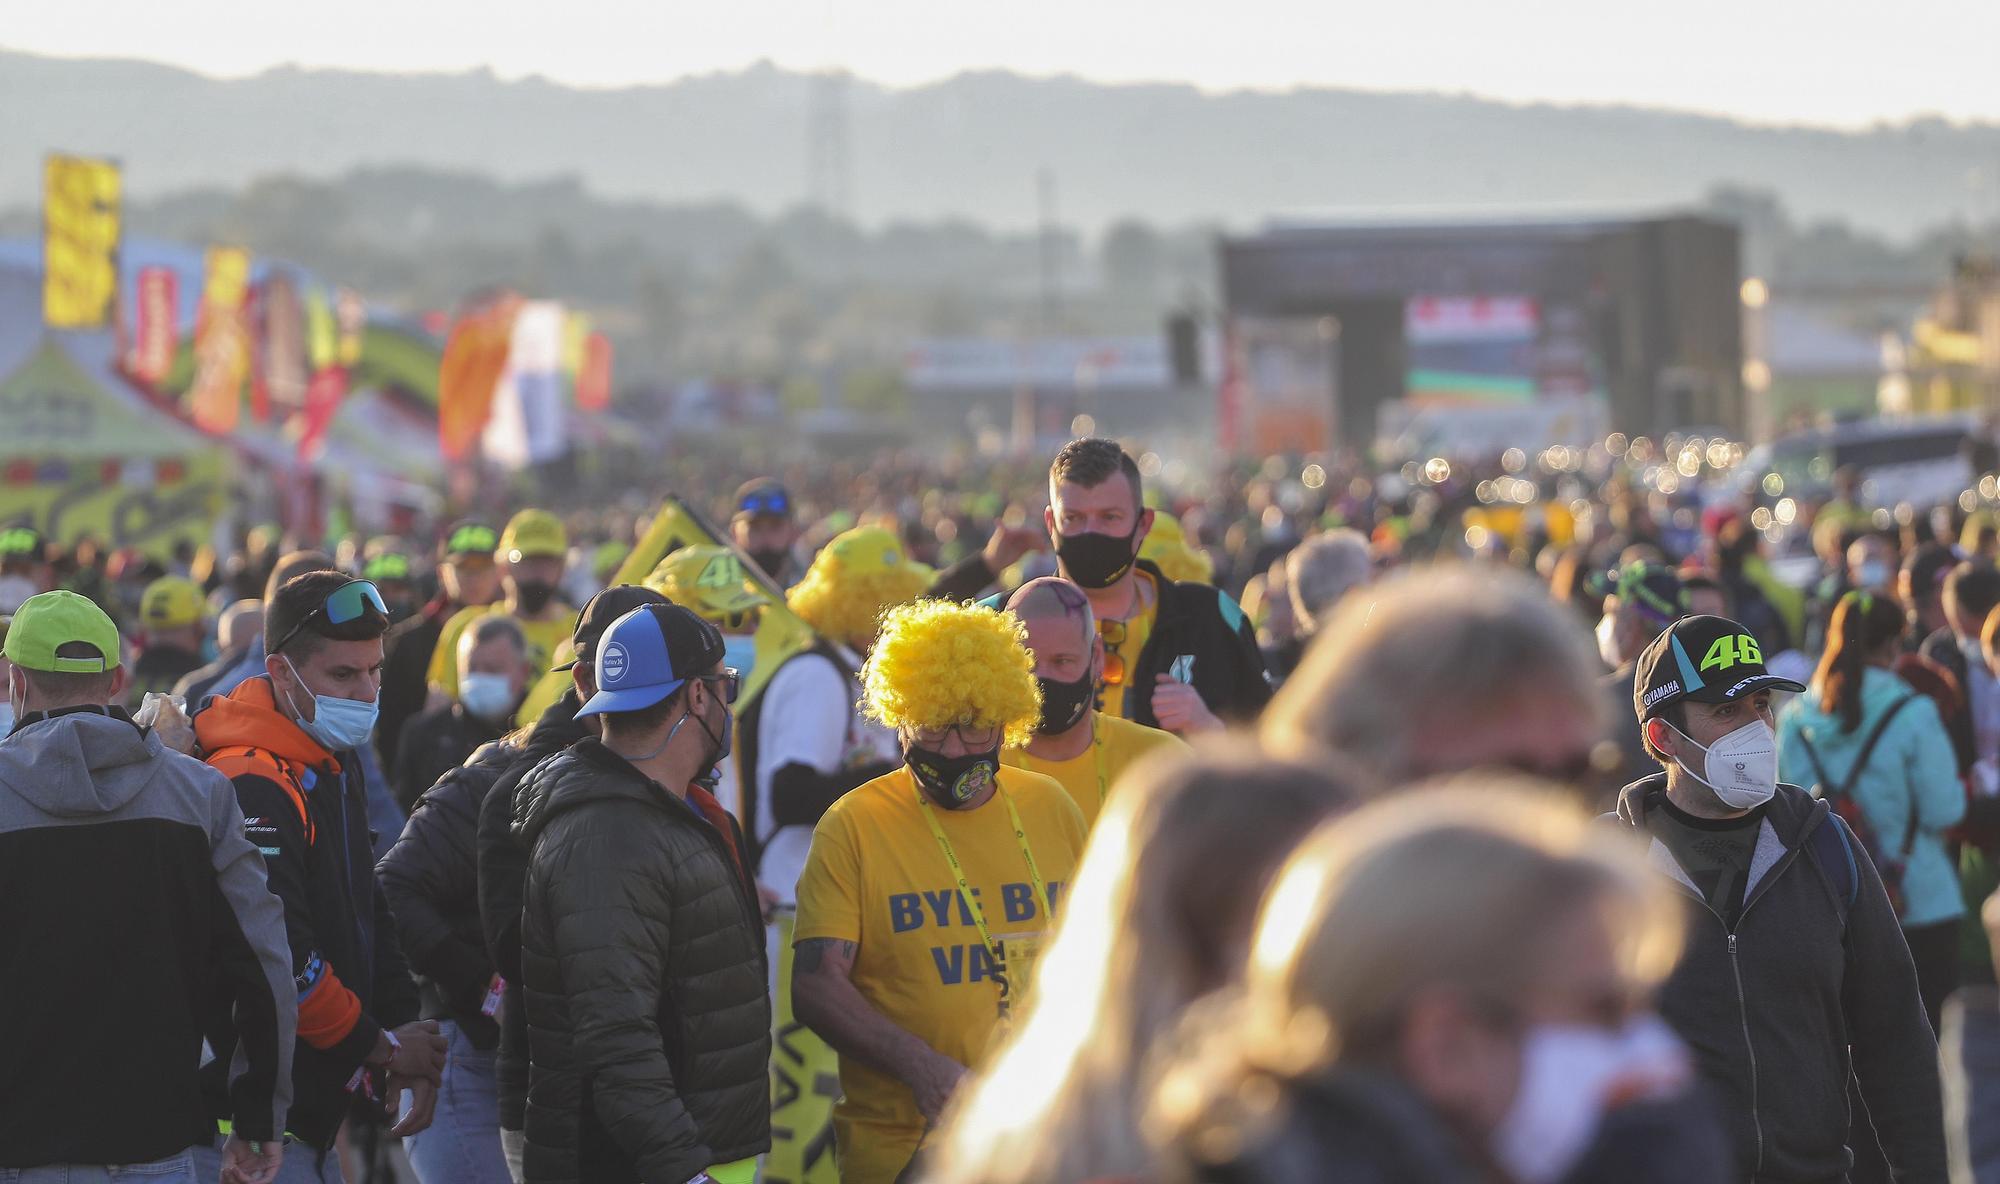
<point>406,666</point>
<point>1805,989</point>
<point>1351,1128</point>
<point>1199,636</point>
<point>434,744</point>
<point>307,811</point>
<point>503,872</point>
<point>431,879</point>
<point>642,951</point>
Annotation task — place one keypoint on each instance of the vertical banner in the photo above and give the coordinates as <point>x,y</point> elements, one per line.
<point>156,332</point>
<point>221,342</point>
<point>351,315</point>
<point>805,1080</point>
<point>322,332</point>
<point>81,216</point>
<point>475,356</point>
<point>593,381</point>
<point>529,424</point>
<point>282,356</point>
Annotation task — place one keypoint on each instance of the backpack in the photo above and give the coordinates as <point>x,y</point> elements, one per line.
<point>1841,799</point>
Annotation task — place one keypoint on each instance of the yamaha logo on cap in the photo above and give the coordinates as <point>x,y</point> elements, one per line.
<point>612,664</point>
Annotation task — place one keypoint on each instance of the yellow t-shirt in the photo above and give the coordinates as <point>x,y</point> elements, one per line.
<point>877,877</point>
<point>1138,627</point>
<point>1090,775</point>
<point>543,638</point>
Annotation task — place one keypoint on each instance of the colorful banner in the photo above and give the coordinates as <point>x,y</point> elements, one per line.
<point>475,356</point>
<point>528,424</point>
<point>351,313</point>
<point>805,1082</point>
<point>81,219</point>
<point>593,381</point>
<point>322,332</point>
<point>281,349</point>
<point>221,342</point>
<point>323,396</point>
<point>156,335</point>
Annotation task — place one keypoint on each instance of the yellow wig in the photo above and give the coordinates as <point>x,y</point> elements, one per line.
<point>852,580</point>
<point>1166,546</point>
<point>938,663</point>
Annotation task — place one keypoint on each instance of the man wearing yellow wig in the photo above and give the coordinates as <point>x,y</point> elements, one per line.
<point>929,891</point>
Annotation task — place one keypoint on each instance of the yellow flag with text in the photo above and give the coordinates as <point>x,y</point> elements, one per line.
<point>81,220</point>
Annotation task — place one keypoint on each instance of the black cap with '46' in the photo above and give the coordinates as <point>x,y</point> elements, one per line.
<point>1707,659</point>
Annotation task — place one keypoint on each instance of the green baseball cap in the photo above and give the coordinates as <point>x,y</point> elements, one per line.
<point>47,622</point>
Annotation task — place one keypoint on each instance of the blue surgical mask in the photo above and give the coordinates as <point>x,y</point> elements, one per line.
<point>739,654</point>
<point>488,696</point>
<point>338,724</point>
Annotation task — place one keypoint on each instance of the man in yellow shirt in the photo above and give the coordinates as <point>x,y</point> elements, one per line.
<point>530,557</point>
<point>1083,748</point>
<point>929,892</point>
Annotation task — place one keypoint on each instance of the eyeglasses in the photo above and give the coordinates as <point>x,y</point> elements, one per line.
<point>472,540</point>
<point>1113,633</point>
<point>732,684</point>
<point>349,602</point>
<point>969,734</point>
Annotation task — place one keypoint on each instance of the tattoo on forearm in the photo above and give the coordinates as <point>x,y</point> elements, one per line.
<point>811,952</point>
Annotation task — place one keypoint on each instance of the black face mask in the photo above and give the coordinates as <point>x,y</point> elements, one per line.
<point>952,781</point>
<point>533,595</point>
<point>773,561</point>
<point>1063,703</point>
<point>1096,560</point>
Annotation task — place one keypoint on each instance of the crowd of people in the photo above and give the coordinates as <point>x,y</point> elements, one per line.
<point>1335,826</point>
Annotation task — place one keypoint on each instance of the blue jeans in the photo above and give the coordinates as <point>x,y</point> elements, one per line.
<point>462,1143</point>
<point>174,1169</point>
<point>301,1165</point>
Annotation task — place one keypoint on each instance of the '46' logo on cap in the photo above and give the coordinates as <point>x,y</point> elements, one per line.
<point>611,664</point>
<point>1732,649</point>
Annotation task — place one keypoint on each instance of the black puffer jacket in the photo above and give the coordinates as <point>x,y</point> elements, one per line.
<point>503,868</point>
<point>642,953</point>
<point>1353,1127</point>
<point>431,878</point>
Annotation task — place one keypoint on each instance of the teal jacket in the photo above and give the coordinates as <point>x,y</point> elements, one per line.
<point>1912,763</point>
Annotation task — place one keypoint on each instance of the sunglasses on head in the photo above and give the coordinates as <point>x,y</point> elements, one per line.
<point>1113,633</point>
<point>766,503</point>
<point>470,540</point>
<point>349,602</point>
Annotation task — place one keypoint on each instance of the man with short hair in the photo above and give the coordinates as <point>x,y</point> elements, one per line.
<point>1971,593</point>
<point>227,677</point>
<point>466,578</point>
<point>238,629</point>
<point>642,944</point>
<point>929,891</point>
<point>1178,656</point>
<point>531,555</point>
<point>175,620</point>
<point>1446,669</point>
<point>764,527</point>
<point>492,676</point>
<point>131,906</point>
<point>1920,586</point>
<point>1078,746</point>
<point>1321,571</point>
<point>288,741</point>
<point>501,865</point>
<point>1795,973</point>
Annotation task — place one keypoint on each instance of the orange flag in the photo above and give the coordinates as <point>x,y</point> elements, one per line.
<point>475,355</point>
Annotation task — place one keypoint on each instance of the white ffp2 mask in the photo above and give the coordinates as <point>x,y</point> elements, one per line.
<point>1742,767</point>
<point>1571,1076</point>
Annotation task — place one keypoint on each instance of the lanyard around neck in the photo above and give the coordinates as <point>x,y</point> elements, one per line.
<point>965,896</point>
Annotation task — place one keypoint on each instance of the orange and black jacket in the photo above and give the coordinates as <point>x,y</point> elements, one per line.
<point>305,809</point>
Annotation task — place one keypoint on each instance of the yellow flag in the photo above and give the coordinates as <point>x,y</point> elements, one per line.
<point>81,218</point>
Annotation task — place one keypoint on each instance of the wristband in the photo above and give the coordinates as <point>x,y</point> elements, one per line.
<point>395,1045</point>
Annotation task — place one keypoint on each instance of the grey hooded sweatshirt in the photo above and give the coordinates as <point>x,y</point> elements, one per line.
<point>131,907</point>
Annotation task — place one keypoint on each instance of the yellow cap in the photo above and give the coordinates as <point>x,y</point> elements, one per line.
<point>531,534</point>
<point>171,603</point>
<point>711,581</point>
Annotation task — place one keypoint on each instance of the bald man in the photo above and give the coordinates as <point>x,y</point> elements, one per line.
<point>1080,746</point>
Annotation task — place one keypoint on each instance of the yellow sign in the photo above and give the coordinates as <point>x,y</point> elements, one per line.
<point>146,505</point>
<point>221,341</point>
<point>805,1083</point>
<point>80,216</point>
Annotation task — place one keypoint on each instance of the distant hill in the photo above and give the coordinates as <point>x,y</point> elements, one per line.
<point>970,146</point>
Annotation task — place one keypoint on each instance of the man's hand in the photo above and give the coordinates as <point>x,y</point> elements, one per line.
<point>767,900</point>
<point>421,1053</point>
<point>1179,708</point>
<point>1009,544</point>
<point>251,1163</point>
<point>423,1104</point>
<point>935,1079</point>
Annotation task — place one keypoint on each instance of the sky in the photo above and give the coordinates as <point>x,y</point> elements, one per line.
<point>1833,63</point>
